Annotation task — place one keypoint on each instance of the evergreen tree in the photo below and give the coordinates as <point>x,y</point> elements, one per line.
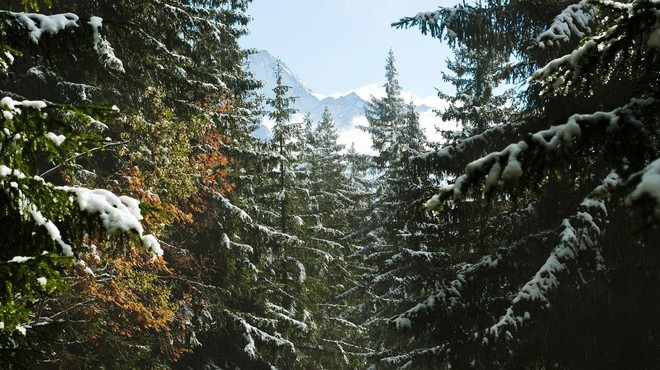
<point>283,133</point>
<point>399,239</point>
<point>326,213</point>
<point>560,216</point>
<point>178,84</point>
<point>475,105</point>
<point>50,229</point>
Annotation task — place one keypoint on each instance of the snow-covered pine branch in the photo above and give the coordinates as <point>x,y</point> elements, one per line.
<point>647,187</point>
<point>498,168</point>
<point>605,46</point>
<point>573,22</point>
<point>579,233</point>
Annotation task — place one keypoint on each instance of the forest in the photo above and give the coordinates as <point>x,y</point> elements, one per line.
<point>143,226</point>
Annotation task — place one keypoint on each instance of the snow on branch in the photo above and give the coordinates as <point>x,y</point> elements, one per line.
<point>449,295</point>
<point>648,187</point>
<point>571,61</point>
<point>284,314</point>
<point>444,156</point>
<point>404,361</point>
<point>242,215</point>
<point>578,234</point>
<point>29,208</point>
<point>573,21</point>
<point>102,46</point>
<point>497,168</point>
<point>38,24</point>
<point>435,22</point>
<point>117,213</point>
<point>604,46</point>
<point>406,254</point>
<point>252,333</point>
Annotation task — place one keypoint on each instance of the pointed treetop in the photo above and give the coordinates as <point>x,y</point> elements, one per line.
<point>392,86</point>
<point>281,104</point>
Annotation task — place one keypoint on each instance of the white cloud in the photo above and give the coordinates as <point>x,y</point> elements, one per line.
<point>268,122</point>
<point>354,135</point>
<point>429,122</point>
<point>375,90</point>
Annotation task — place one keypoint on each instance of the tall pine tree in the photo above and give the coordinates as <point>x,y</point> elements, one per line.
<point>559,214</point>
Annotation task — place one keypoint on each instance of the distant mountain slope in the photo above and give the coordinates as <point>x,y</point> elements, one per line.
<point>347,110</point>
<point>343,109</point>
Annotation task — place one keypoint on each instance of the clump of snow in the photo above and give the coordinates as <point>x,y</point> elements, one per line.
<point>56,139</point>
<point>433,203</point>
<point>7,103</point>
<point>573,21</point>
<point>151,243</point>
<point>21,329</point>
<point>20,259</point>
<point>96,23</point>
<point>10,106</point>
<point>117,213</point>
<point>513,169</point>
<point>38,24</point>
<point>553,137</point>
<point>302,273</point>
<point>42,281</point>
<point>34,104</point>
<point>86,269</point>
<point>103,48</point>
<point>6,60</point>
<point>403,323</point>
<point>649,186</point>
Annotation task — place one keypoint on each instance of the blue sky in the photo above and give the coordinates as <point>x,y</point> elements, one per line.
<point>337,46</point>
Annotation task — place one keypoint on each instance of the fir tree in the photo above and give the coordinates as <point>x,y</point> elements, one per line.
<point>399,237</point>
<point>556,224</point>
<point>177,85</point>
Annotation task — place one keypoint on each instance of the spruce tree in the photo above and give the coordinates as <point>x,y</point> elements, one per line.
<point>399,239</point>
<point>559,218</point>
<point>174,72</point>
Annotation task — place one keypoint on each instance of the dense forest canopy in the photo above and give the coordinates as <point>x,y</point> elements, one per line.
<point>144,226</point>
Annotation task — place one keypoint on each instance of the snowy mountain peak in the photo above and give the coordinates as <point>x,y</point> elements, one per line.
<point>263,65</point>
<point>343,109</point>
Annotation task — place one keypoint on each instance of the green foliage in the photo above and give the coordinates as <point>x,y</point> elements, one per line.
<point>45,224</point>
<point>539,223</point>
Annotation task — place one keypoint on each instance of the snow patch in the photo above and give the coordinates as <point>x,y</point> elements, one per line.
<point>20,259</point>
<point>38,24</point>
<point>573,21</point>
<point>103,48</point>
<point>649,186</point>
<point>56,139</point>
<point>117,213</point>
